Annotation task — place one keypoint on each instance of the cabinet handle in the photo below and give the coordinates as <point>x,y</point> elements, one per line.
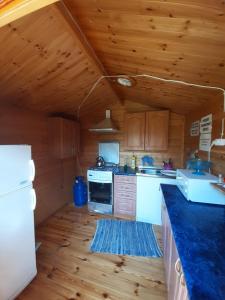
<point>178,267</point>
<point>34,199</point>
<point>32,168</point>
<point>182,280</point>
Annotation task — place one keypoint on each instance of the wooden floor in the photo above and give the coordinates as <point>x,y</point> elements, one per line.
<point>67,270</point>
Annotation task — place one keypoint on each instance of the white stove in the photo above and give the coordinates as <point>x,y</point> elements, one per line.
<point>100,179</point>
<point>100,190</point>
<point>100,176</point>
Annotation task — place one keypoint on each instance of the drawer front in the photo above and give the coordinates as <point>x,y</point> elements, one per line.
<point>125,196</point>
<point>125,188</point>
<point>125,208</point>
<point>125,179</point>
<point>124,213</point>
<point>121,202</point>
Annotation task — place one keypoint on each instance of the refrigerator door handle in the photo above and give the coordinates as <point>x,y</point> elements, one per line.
<point>34,199</point>
<point>32,168</point>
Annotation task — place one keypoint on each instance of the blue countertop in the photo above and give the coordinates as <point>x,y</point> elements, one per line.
<point>199,233</point>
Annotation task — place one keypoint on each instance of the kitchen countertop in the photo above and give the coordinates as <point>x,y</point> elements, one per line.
<point>120,171</point>
<point>199,233</point>
<point>115,170</point>
<point>132,172</point>
<point>156,175</point>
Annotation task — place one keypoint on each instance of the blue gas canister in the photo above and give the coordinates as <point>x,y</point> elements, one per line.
<point>80,192</point>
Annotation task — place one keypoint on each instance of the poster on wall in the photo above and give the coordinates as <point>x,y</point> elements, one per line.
<point>205,141</point>
<point>206,124</point>
<point>194,131</point>
<point>205,133</point>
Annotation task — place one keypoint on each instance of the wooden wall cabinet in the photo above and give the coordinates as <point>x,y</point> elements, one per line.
<point>135,131</point>
<point>175,279</point>
<point>147,130</point>
<point>125,195</point>
<point>64,137</point>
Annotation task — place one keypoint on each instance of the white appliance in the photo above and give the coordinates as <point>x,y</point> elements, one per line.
<point>197,188</point>
<point>100,190</point>
<point>17,203</point>
<point>149,197</point>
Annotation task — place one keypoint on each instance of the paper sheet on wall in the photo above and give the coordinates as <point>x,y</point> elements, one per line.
<point>194,131</point>
<point>205,141</point>
<point>206,124</point>
<point>205,133</point>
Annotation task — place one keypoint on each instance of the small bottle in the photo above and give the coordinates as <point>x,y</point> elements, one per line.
<point>220,179</point>
<point>125,167</point>
<point>133,162</point>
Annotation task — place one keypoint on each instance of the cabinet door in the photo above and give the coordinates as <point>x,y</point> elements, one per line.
<point>166,234</point>
<point>55,137</point>
<point>182,293</point>
<point>64,137</point>
<point>68,138</point>
<point>148,200</point>
<point>175,271</point>
<point>135,131</point>
<point>174,275</point>
<point>156,135</point>
<point>76,138</point>
<point>17,254</point>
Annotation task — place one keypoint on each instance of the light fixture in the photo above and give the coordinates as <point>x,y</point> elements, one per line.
<point>124,81</point>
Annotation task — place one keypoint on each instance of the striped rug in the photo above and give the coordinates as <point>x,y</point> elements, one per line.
<point>125,238</point>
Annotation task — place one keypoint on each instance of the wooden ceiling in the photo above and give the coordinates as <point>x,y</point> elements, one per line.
<point>45,65</point>
<point>181,40</point>
<point>51,58</point>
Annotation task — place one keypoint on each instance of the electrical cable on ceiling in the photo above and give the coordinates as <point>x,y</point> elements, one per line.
<point>147,76</point>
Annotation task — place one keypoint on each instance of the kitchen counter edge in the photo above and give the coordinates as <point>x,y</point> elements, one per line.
<point>199,234</point>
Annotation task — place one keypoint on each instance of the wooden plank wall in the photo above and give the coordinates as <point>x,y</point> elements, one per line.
<point>54,177</point>
<point>89,140</point>
<point>216,107</point>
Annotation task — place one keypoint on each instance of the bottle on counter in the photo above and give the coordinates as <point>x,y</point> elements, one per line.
<point>133,161</point>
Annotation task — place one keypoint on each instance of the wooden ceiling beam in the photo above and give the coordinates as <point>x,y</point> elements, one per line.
<point>11,10</point>
<point>70,18</point>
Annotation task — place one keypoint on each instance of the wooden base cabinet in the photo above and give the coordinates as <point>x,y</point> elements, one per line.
<point>175,279</point>
<point>125,195</point>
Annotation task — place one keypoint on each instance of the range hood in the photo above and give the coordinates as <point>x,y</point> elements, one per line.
<point>105,126</point>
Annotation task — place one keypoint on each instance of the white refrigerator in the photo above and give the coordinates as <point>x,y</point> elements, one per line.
<point>17,204</point>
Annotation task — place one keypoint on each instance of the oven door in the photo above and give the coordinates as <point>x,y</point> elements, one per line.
<point>100,192</point>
